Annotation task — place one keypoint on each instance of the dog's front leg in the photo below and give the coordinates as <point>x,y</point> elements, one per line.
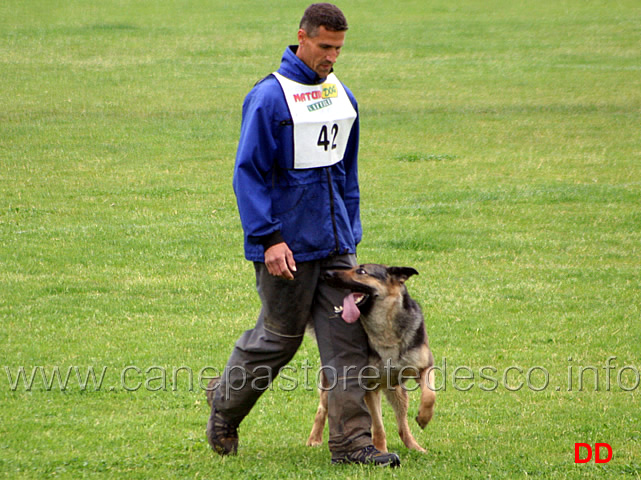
<point>373,402</point>
<point>400,401</point>
<point>428,397</point>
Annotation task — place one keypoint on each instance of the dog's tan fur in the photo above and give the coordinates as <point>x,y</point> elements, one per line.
<point>396,332</point>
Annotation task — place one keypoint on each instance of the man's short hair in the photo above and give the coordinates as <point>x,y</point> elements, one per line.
<point>323,15</point>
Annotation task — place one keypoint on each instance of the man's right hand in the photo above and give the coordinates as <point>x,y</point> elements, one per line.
<point>279,260</point>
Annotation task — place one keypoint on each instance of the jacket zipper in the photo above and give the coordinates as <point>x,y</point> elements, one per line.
<point>332,208</point>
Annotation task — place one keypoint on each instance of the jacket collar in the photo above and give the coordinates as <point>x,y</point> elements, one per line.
<point>295,69</point>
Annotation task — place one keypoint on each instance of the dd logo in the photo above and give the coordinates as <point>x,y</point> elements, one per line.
<point>597,449</point>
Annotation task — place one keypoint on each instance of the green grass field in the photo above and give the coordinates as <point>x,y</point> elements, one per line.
<point>500,157</point>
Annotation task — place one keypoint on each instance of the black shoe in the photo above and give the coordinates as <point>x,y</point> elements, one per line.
<point>368,456</point>
<point>222,436</point>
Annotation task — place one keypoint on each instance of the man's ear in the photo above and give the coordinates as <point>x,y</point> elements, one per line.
<point>402,273</point>
<point>302,34</point>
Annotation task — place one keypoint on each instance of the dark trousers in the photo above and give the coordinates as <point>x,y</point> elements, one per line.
<point>287,307</point>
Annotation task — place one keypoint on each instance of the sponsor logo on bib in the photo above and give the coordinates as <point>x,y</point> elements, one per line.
<point>318,105</point>
<point>308,96</point>
<point>330,90</point>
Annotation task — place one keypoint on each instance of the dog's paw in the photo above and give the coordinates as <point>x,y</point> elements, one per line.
<point>314,442</point>
<point>422,422</point>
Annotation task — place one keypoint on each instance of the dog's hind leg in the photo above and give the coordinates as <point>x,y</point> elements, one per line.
<point>316,435</point>
<point>373,402</point>
<point>400,401</point>
<point>428,397</point>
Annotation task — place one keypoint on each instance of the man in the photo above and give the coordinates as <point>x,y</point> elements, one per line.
<point>296,185</point>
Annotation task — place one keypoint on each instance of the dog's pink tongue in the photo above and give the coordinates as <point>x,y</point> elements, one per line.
<point>350,310</point>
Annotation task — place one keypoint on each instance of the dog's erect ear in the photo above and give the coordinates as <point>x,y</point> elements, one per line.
<point>402,273</point>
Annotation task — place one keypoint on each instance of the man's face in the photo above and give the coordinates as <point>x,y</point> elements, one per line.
<point>321,51</point>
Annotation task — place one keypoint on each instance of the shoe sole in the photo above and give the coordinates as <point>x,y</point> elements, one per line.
<point>393,462</point>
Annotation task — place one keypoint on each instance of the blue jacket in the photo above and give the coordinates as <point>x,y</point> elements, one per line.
<point>315,211</point>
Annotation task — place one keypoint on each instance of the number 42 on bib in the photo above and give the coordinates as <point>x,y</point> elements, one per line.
<point>323,138</point>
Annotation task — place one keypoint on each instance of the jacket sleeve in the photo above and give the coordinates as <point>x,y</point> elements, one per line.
<point>255,156</point>
<point>352,193</point>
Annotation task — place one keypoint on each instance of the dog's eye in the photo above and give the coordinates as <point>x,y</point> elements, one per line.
<point>361,271</point>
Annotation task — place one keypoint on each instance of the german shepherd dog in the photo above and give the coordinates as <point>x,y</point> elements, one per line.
<point>399,348</point>
<point>398,343</point>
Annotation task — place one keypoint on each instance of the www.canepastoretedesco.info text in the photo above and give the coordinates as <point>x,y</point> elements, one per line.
<point>571,377</point>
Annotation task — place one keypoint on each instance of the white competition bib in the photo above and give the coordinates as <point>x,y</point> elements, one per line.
<point>322,116</point>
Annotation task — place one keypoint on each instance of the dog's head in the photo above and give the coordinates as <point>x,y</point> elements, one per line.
<point>368,284</point>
